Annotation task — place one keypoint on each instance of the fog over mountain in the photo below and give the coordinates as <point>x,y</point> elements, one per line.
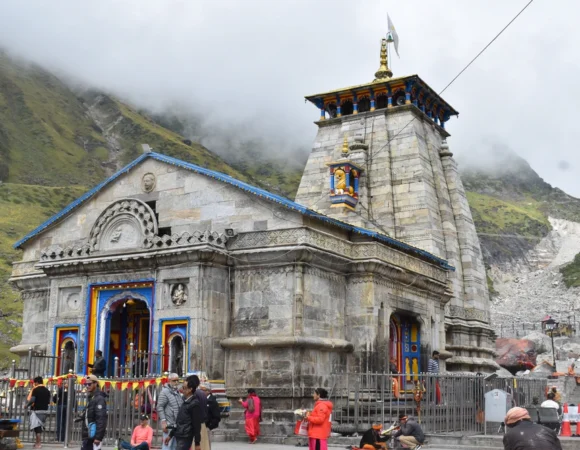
<point>242,67</point>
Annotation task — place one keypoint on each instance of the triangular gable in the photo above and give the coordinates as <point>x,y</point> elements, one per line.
<point>244,187</point>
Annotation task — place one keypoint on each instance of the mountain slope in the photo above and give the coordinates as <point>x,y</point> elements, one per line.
<point>511,204</point>
<point>54,145</point>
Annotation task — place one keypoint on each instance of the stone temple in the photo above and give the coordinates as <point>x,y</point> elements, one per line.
<point>377,260</point>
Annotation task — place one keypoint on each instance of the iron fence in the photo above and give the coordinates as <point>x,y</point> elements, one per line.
<point>127,400</point>
<point>137,364</point>
<point>441,403</point>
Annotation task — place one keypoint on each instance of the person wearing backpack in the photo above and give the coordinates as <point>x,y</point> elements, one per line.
<point>253,414</point>
<point>214,415</point>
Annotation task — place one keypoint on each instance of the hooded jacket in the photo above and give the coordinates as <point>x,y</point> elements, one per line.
<point>530,436</point>
<point>96,412</point>
<point>168,405</point>
<point>319,420</point>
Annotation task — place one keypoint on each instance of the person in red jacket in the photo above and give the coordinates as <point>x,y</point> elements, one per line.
<point>319,421</point>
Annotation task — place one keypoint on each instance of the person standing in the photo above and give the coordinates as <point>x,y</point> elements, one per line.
<point>319,421</point>
<point>168,405</point>
<point>187,429</point>
<point>433,369</point>
<point>522,434</point>
<point>95,416</point>
<point>252,414</point>
<point>38,402</point>
<point>213,415</point>
<point>141,438</point>
<point>201,397</point>
<point>100,365</point>
<point>410,433</point>
<point>61,400</point>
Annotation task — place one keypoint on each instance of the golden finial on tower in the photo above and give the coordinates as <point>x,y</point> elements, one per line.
<point>345,146</point>
<point>384,72</point>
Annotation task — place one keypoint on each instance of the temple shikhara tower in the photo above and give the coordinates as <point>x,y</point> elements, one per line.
<point>381,161</point>
<point>168,266</point>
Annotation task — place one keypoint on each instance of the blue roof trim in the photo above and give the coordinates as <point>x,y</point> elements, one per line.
<point>79,201</point>
<point>245,187</point>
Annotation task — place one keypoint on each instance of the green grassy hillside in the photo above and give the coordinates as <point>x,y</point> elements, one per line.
<point>507,229</point>
<point>54,145</point>
<point>22,208</point>
<point>511,204</point>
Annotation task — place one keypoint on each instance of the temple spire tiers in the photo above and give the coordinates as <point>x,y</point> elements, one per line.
<point>399,178</point>
<point>384,73</point>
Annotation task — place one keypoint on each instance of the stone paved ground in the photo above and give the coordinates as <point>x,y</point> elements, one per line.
<point>258,445</point>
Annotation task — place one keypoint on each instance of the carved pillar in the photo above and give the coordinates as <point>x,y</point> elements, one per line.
<point>299,300</point>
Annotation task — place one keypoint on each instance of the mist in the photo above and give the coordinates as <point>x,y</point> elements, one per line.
<point>243,67</point>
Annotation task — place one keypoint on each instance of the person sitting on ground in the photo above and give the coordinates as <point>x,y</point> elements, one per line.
<point>372,438</point>
<point>521,432</point>
<point>410,433</point>
<point>550,403</point>
<point>141,437</point>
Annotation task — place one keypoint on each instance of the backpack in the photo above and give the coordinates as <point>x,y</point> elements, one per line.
<point>251,407</point>
<point>213,413</point>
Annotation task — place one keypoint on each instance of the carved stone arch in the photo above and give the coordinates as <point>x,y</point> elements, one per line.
<point>127,223</point>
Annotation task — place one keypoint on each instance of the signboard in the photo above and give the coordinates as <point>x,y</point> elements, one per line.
<point>497,404</point>
<point>573,414</point>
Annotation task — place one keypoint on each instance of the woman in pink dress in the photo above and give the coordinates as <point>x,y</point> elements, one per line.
<point>253,414</point>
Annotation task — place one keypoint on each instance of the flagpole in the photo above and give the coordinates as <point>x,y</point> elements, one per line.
<point>389,60</point>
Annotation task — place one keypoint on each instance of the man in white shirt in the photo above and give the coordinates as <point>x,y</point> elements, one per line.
<point>550,403</point>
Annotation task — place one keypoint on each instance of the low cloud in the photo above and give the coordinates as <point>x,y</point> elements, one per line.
<point>245,66</point>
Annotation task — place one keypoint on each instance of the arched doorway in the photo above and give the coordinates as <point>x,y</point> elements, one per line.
<point>128,322</point>
<point>176,348</point>
<point>405,344</point>
<point>68,354</point>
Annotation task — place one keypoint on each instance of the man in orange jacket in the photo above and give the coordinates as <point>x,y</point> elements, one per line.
<point>319,421</point>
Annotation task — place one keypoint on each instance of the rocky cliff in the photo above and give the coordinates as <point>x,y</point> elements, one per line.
<point>529,231</point>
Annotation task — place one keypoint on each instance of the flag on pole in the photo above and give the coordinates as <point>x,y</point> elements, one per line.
<point>392,35</point>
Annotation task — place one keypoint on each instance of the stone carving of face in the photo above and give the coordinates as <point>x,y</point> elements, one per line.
<point>148,182</point>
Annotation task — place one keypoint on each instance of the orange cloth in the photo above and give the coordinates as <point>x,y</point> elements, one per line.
<point>396,390</point>
<point>319,420</point>
<point>142,434</point>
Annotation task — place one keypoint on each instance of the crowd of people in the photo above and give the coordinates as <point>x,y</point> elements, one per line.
<point>187,413</point>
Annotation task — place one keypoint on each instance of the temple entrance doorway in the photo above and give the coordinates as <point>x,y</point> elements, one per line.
<point>176,347</point>
<point>129,321</point>
<point>405,345</point>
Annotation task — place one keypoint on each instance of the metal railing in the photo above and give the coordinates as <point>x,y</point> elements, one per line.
<point>138,364</point>
<point>127,399</point>
<point>440,403</point>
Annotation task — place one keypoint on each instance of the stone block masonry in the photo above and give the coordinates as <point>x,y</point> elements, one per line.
<point>411,190</point>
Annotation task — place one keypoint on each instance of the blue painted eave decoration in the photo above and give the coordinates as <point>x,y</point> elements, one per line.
<point>245,187</point>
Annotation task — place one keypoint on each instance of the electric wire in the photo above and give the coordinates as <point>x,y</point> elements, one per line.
<point>460,73</point>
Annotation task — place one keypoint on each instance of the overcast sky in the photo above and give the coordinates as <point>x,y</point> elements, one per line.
<point>251,62</point>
